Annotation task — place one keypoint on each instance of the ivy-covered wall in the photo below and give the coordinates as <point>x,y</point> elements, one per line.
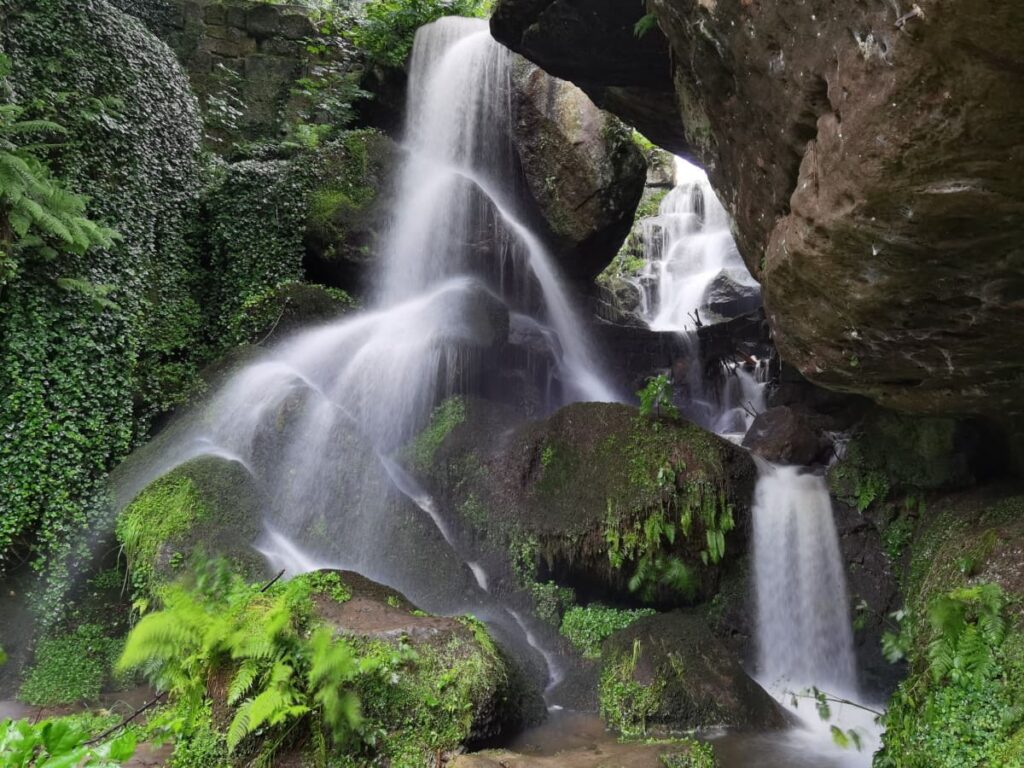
<point>82,379</point>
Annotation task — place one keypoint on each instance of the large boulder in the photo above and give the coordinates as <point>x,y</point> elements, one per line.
<point>870,159</point>
<point>668,672</point>
<point>491,695</point>
<point>596,497</point>
<point>582,169</point>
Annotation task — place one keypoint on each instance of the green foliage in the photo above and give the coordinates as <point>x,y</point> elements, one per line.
<point>896,536</point>
<point>94,343</point>
<point>646,23</point>
<point>627,704</point>
<point>446,417</point>
<point>59,743</point>
<point>656,398</point>
<point>587,627</point>
<point>699,754</point>
<point>384,30</point>
<point>70,668</point>
<point>960,706</point>
<point>284,669</point>
<point>38,216</point>
<point>551,601</point>
<point>967,625</point>
<point>330,584</point>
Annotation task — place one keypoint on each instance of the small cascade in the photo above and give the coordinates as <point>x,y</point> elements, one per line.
<point>689,244</point>
<point>804,636</point>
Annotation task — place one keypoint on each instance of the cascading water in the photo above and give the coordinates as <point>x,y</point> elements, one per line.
<point>804,636</point>
<point>689,245</point>
<point>320,419</point>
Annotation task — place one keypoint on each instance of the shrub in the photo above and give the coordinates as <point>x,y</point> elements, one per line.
<point>587,627</point>
<point>70,668</point>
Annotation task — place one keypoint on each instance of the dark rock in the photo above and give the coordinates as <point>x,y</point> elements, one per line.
<point>781,435</point>
<point>620,71</point>
<point>582,169</point>
<point>699,681</point>
<point>871,163</point>
<point>731,294</point>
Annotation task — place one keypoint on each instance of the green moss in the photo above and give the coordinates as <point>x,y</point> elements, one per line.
<point>699,754</point>
<point>627,704</point>
<point>70,668</point>
<point>168,508</point>
<point>446,417</point>
<point>284,308</point>
<point>588,627</point>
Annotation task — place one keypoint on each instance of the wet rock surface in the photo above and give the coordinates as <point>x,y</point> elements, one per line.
<point>870,157</point>
<point>781,435</point>
<point>581,167</point>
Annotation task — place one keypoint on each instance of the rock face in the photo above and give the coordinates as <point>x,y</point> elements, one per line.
<point>581,166</point>
<point>871,161</point>
<point>694,682</point>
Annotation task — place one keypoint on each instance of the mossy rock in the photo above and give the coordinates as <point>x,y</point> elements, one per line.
<point>894,453</point>
<point>937,719</point>
<point>276,312</point>
<point>668,673</point>
<point>208,506</point>
<point>482,692</point>
<point>576,496</point>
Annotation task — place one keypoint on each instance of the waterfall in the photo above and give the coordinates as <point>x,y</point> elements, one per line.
<point>320,420</point>
<point>687,246</point>
<point>804,636</point>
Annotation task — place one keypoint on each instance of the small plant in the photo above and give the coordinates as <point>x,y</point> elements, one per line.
<point>70,668</point>
<point>656,398</point>
<point>61,743</point>
<point>551,601</point>
<point>627,705</point>
<point>699,754</point>
<point>588,627</point>
<point>967,625</point>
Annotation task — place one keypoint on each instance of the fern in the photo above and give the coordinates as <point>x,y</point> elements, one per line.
<point>38,216</point>
<point>968,625</point>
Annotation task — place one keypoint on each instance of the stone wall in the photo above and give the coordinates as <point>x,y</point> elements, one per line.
<point>241,56</point>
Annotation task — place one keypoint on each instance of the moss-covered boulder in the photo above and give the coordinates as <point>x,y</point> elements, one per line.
<point>459,686</point>
<point>279,311</point>
<point>962,634</point>
<point>208,506</point>
<point>669,673</point>
<point>595,496</point>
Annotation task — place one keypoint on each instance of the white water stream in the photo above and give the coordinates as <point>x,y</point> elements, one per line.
<point>318,419</point>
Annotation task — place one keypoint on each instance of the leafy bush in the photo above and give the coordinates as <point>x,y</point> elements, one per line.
<point>656,397</point>
<point>587,627</point>
<point>386,28</point>
<point>70,668</point>
<point>59,743</point>
<point>284,669</point>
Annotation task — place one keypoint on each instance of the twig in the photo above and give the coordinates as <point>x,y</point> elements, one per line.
<point>272,582</point>
<point>123,723</point>
<point>836,700</point>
